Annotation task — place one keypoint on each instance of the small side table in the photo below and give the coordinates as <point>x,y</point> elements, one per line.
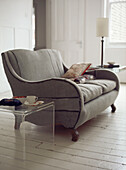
<point>117,69</point>
<point>114,69</point>
<point>22,112</point>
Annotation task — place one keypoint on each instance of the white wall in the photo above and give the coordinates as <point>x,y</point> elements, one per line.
<point>116,54</point>
<point>15,30</point>
<point>93,10</point>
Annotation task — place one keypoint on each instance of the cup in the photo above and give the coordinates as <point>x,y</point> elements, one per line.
<point>31,99</point>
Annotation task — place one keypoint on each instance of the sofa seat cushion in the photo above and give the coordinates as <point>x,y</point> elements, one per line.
<point>95,88</point>
<point>107,85</point>
<point>90,91</point>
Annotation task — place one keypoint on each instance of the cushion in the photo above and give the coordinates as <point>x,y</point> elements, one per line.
<point>90,91</point>
<point>107,85</point>
<point>76,70</point>
<point>94,88</point>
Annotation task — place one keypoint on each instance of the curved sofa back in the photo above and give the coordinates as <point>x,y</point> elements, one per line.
<point>36,65</point>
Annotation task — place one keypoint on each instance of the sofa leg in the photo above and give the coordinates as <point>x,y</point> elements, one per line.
<point>113,108</point>
<point>75,135</point>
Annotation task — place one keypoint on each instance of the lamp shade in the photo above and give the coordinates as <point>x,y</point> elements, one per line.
<point>102,27</point>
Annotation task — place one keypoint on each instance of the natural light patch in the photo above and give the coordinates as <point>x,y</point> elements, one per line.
<point>117,1</point>
<point>118,21</point>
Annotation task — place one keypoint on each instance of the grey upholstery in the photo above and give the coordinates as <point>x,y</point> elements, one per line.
<point>95,88</point>
<point>39,73</point>
<point>40,68</point>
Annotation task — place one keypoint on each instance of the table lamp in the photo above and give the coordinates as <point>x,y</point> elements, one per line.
<point>102,31</point>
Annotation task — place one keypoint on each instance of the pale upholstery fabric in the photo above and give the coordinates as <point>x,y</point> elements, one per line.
<point>94,107</point>
<point>90,91</point>
<point>39,73</point>
<point>94,88</point>
<point>45,64</point>
<point>106,85</point>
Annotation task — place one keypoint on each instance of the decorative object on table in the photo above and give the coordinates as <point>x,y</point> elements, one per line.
<point>111,65</point>
<point>102,31</point>
<point>10,102</point>
<point>111,62</point>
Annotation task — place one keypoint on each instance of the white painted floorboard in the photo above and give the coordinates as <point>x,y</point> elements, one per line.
<point>102,143</point>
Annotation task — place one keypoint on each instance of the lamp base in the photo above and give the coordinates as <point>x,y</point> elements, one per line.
<point>101,66</point>
<point>102,47</point>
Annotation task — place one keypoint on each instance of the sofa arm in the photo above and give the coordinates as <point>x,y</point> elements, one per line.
<point>57,88</point>
<point>48,88</point>
<point>107,74</point>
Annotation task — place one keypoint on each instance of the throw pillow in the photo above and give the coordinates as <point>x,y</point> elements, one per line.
<point>76,70</point>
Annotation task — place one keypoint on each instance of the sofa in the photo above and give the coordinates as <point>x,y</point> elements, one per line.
<point>39,73</point>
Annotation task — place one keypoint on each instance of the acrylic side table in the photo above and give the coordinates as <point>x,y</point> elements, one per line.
<point>23,112</point>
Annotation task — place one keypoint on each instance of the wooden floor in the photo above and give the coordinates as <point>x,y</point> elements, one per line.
<point>102,143</point>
